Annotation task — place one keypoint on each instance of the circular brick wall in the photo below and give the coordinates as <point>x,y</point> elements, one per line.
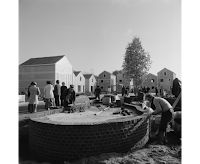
<point>70,142</point>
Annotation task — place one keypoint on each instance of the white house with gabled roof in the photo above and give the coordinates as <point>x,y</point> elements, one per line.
<point>79,82</point>
<point>45,69</point>
<point>90,82</point>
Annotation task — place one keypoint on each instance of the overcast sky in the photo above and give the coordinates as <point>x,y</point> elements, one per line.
<point>93,34</point>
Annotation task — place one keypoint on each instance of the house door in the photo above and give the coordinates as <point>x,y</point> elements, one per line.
<point>91,88</point>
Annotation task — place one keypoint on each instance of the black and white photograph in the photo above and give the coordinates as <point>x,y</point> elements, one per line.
<point>99,82</point>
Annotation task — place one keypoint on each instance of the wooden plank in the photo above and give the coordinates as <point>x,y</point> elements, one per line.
<point>101,111</point>
<point>177,100</point>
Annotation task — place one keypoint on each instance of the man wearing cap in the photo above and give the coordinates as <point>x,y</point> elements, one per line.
<point>70,96</point>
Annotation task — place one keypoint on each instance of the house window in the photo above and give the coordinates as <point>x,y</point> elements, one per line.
<point>104,75</point>
<point>161,80</point>
<point>152,80</point>
<point>101,81</point>
<point>165,73</point>
<point>101,87</point>
<point>120,81</point>
<point>169,79</point>
<point>80,78</point>
<point>79,88</point>
<point>152,87</point>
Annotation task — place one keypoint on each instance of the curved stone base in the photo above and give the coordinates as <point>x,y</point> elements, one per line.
<point>62,142</point>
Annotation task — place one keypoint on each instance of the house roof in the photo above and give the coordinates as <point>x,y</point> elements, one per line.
<point>151,74</point>
<point>76,72</point>
<point>96,77</point>
<point>87,76</point>
<point>42,60</point>
<point>166,69</point>
<point>106,72</point>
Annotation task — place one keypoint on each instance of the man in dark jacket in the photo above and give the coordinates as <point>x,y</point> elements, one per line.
<point>97,93</point>
<point>57,93</point>
<point>70,96</point>
<point>62,95</point>
<point>147,89</point>
<point>123,90</point>
<point>156,90</point>
<point>29,96</point>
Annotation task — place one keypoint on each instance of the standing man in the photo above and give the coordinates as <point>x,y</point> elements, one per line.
<point>57,89</point>
<point>97,92</point>
<point>123,91</point>
<point>70,96</point>
<point>28,95</point>
<point>33,100</point>
<point>62,96</point>
<point>156,90</point>
<point>161,91</point>
<point>163,107</point>
<point>109,89</point>
<point>48,95</point>
<point>126,91</point>
<point>147,89</point>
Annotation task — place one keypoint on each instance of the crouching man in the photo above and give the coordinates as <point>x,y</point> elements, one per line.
<point>163,107</point>
<point>70,96</point>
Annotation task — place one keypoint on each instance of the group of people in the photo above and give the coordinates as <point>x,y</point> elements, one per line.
<point>53,95</point>
<point>144,89</point>
<point>125,91</point>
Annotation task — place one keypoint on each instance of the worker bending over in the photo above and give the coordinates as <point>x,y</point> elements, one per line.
<point>163,107</point>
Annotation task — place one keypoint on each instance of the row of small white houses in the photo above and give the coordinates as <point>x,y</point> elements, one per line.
<point>59,68</point>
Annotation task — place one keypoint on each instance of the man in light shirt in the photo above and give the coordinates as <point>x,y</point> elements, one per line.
<point>48,95</point>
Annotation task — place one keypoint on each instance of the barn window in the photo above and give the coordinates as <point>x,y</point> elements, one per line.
<point>102,81</point>
<point>165,73</point>
<point>120,81</point>
<point>104,75</point>
<point>161,80</point>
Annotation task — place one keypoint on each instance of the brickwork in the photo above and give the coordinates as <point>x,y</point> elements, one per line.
<point>69,142</point>
<point>24,121</point>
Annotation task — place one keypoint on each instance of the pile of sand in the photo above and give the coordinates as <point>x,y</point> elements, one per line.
<point>83,117</point>
<point>152,154</point>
